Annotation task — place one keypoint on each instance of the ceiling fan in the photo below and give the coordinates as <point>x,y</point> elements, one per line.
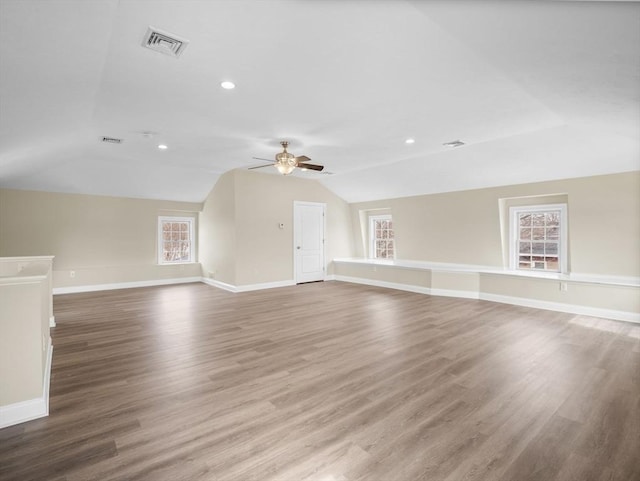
<point>286,162</point>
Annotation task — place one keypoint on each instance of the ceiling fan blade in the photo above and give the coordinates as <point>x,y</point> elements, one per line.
<point>311,166</point>
<point>266,160</point>
<point>302,158</point>
<point>260,166</point>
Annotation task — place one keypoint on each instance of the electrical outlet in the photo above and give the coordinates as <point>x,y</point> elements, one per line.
<point>72,273</point>
<point>564,287</point>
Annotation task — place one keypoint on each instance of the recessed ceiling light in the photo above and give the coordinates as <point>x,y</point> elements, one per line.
<point>162,147</point>
<point>454,143</point>
<point>228,85</point>
<point>410,141</point>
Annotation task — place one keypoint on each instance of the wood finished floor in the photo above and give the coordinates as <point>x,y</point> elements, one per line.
<point>329,382</point>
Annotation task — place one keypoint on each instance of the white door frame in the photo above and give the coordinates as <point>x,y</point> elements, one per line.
<point>297,203</point>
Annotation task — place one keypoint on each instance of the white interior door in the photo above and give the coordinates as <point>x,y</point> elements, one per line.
<point>308,241</point>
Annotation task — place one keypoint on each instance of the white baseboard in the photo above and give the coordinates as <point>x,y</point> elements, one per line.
<point>560,307</point>
<point>163,282</point>
<point>22,412</point>
<point>388,285</point>
<point>516,301</point>
<point>247,287</point>
<point>124,285</point>
<point>265,285</point>
<point>30,409</point>
<point>220,285</point>
<point>455,293</point>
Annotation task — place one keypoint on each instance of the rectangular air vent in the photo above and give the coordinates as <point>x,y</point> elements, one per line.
<point>164,42</point>
<point>111,140</point>
<point>454,143</point>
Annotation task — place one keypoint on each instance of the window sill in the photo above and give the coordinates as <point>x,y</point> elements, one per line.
<point>176,263</point>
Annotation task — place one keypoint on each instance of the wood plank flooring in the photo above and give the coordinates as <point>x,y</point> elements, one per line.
<point>329,382</point>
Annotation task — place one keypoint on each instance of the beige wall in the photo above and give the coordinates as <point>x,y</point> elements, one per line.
<point>103,239</point>
<point>217,246</point>
<point>111,240</point>
<point>386,274</point>
<point>22,353</point>
<point>464,227</point>
<point>260,251</point>
<point>469,227</point>
<point>599,296</point>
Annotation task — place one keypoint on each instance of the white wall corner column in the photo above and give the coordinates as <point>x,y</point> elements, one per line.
<point>26,314</point>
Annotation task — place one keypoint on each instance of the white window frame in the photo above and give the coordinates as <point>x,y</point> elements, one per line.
<point>514,212</point>
<point>372,237</point>
<point>192,250</point>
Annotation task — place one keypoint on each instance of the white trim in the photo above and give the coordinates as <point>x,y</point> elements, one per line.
<point>247,287</point>
<point>46,382</point>
<point>164,282</point>
<point>568,308</point>
<point>52,321</point>
<point>22,411</point>
<point>372,238</point>
<point>629,281</point>
<point>455,293</point>
<point>388,285</point>
<point>514,235</point>
<point>192,239</point>
<point>265,285</point>
<point>219,285</point>
<point>19,280</point>
<point>27,258</point>
<point>124,285</point>
<point>30,409</point>
<point>418,265</point>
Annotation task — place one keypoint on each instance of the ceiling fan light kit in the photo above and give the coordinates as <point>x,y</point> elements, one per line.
<point>284,167</point>
<point>286,162</point>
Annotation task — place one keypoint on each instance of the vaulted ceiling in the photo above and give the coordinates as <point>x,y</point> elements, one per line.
<point>536,91</point>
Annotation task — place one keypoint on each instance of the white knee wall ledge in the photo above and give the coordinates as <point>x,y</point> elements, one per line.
<point>609,297</point>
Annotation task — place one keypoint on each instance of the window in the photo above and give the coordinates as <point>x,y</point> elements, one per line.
<point>381,237</point>
<point>538,237</point>
<point>175,240</point>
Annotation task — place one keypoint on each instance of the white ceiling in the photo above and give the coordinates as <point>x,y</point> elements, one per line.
<point>536,90</point>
